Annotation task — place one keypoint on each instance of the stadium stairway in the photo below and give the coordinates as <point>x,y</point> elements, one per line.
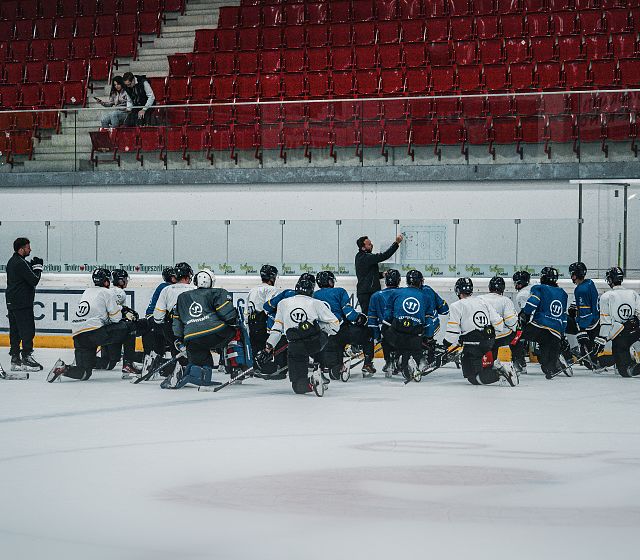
<point>70,150</point>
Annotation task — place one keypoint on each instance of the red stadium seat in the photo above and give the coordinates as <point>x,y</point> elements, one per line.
<point>495,76</point>
<point>622,128</point>
<point>462,28</point>
<point>391,82</point>
<point>543,49</point>
<point>106,25</point>
<point>386,9</point>
<point>388,32</point>
<point>247,62</point>
<point>294,60</point>
<point>548,75</point>
<point>149,23</point>
<point>367,82</point>
<point>23,29</point>
<point>20,50</point>
<point>202,64</point>
<point>317,12</point>
<point>250,17</point>
<point>75,93</point>
<point>533,129</point>
<point>319,58</point>
<point>591,128</point>
<point>477,131</point>
<point>630,72</point>
<point>177,89</point>
<point>423,133</point>
<point>316,35</point>
<point>35,71</point>
<point>229,17</point>
<point>564,23</point>
<point>180,64</point>
<point>437,29</point>
<point>248,39</point>
<point>414,55</point>
<point>223,88</point>
<point>294,112</point>
<point>159,88</point>
<point>521,75</point>
<point>576,73</point>
<point>52,94</point>
<point>532,6</point>
<point>340,12</point>
<point>390,56</point>
<point>469,77</point>
<point>465,52</point>
<point>364,33</point>
<point>272,37</point>
<point>270,86</point>
<point>365,57</point>
<point>342,58</point>
<point>508,6</point>
<point>512,25</point>
<point>413,31</point>
<point>224,63</point>
<point>9,95</point>
<point>527,105</point>
<point>597,47</point>
<point>362,10</point>
<point>56,71</point>
<point>293,85</point>
<point>205,40</point>
<point>488,27</point>
<point>590,22</point>
<point>625,45</point>
<point>227,39</point>
<point>410,9</point>
<point>13,72</point>
<point>196,139</point>
<point>318,83</point>
<point>30,95</point>
<point>342,84</point>
<point>517,50</point>
<point>490,51</point>
<point>85,26</point>
<point>394,109</point>
<point>561,129</point>
<point>103,47</point>
<point>416,81</point>
<point>320,112</point>
<point>570,47</point>
<point>603,72</point>
<point>439,54</point>
<point>538,25</point>
<point>500,105</point>
<point>39,49</point>
<point>81,47</point>
<point>271,61</point>
<point>442,79</point>
<point>43,28</point>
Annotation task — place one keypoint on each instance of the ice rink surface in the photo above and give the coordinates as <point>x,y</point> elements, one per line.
<point>374,470</point>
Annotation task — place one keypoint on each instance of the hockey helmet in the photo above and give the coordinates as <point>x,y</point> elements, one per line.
<point>415,278</point>
<point>325,279</point>
<point>578,269</point>
<point>183,270</point>
<point>549,275</point>
<point>268,273</point>
<point>305,286</point>
<point>614,276</point>
<point>100,276</point>
<point>392,278</point>
<point>204,279</point>
<point>497,285</point>
<point>464,286</point>
<point>521,278</point>
<point>119,277</point>
<point>169,274</point>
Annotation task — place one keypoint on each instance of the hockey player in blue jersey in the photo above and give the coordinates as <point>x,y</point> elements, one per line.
<point>544,318</point>
<point>377,306</point>
<point>439,307</point>
<point>587,310</point>
<point>353,329</point>
<point>408,315</point>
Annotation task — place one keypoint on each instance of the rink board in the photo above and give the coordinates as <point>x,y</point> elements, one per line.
<point>58,294</point>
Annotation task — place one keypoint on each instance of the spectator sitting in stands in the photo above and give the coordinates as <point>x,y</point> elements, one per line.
<point>139,89</point>
<point>121,102</point>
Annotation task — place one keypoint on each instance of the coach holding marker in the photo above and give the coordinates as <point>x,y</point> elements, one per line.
<point>22,278</point>
<point>367,270</point>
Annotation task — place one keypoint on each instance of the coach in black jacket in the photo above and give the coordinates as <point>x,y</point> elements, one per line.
<point>22,279</point>
<point>367,270</point>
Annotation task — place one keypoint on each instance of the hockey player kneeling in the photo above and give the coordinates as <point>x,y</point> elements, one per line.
<point>473,324</point>
<point>98,321</point>
<point>205,319</point>
<point>620,323</point>
<point>307,323</point>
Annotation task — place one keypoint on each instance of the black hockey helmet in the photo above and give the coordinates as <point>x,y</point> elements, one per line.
<point>549,275</point>
<point>119,276</point>
<point>521,278</point>
<point>325,279</point>
<point>268,273</point>
<point>497,285</point>
<point>464,286</point>
<point>168,274</point>
<point>100,276</point>
<point>392,278</point>
<point>183,270</point>
<point>415,278</point>
<point>578,269</point>
<point>308,276</point>
<point>305,286</point>
<point>614,276</point>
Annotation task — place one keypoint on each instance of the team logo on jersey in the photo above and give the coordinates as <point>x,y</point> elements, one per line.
<point>411,305</point>
<point>83,309</point>
<point>298,315</point>
<point>556,308</point>
<point>195,309</point>
<point>625,312</point>
<point>480,319</point>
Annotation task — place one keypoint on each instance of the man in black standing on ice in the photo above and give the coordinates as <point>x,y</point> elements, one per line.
<point>22,278</point>
<point>369,275</point>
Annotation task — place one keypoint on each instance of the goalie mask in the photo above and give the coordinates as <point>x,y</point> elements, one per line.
<point>205,279</point>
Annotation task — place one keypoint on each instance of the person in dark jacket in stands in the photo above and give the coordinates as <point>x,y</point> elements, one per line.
<point>142,96</point>
<point>368,275</point>
<point>22,278</point>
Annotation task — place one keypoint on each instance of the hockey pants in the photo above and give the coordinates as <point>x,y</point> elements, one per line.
<point>258,333</point>
<point>199,349</point>
<point>299,351</point>
<point>548,348</point>
<point>332,355</point>
<point>621,347</point>
<point>196,375</point>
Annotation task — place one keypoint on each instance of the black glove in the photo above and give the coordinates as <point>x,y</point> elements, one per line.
<point>446,344</point>
<point>37,264</point>
<point>598,345</point>
<point>583,338</point>
<point>573,311</point>
<point>129,314</point>
<point>361,321</point>
<point>523,319</point>
<point>179,345</point>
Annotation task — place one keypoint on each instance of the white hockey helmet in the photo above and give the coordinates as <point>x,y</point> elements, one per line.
<point>205,279</point>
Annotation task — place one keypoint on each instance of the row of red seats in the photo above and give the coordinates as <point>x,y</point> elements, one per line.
<point>422,108</point>
<point>435,79</point>
<point>339,12</point>
<point>43,95</point>
<point>12,10</point>
<point>428,132</point>
<point>54,71</point>
<point>16,143</point>
<point>63,49</point>
<point>410,55</point>
<point>458,7</point>
<point>83,26</point>
<point>368,33</point>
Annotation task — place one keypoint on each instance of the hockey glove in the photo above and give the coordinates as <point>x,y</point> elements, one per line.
<point>129,314</point>
<point>361,321</point>
<point>523,319</point>
<point>179,345</point>
<point>37,264</point>
<point>598,345</point>
<point>573,311</point>
<point>583,338</point>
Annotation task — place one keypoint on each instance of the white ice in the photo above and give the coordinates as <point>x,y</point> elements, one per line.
<point>374,470</point>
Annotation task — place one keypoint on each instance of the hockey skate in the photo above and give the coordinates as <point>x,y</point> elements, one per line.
<point>520,368</point>
<point>129,371</point>
<point>13,375</point>
<point>172,380</point>
<point>316,382</point>
<point>16,363</point>
<point>58,369</point>
<point>507,373</point>
<point>29,364</point>
<point>368,370</point>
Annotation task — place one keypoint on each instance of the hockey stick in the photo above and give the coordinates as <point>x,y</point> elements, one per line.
<point>151,373</point>
<point>442,358</point>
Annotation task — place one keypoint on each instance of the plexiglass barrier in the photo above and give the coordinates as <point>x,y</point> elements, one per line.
<point>437,247</point>
<point>404,127</point>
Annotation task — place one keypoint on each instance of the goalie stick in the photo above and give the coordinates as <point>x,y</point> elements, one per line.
<point>151,373</point>
<point>440,360</point>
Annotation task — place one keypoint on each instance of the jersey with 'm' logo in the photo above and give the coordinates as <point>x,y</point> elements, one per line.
<point>413,305</point>
<point>547,307</point>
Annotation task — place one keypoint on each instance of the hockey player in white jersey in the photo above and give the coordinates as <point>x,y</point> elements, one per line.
<point>505,309</point>
<point>307,323</point>
<point>619,322</point>
<point>519,350</point>
<point>255,316</point>
<point>473,324</point>
<point>98,321</point>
